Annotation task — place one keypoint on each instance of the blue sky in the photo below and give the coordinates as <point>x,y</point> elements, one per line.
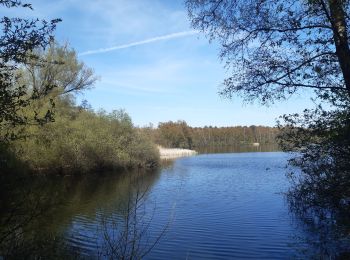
<point>152,64</point>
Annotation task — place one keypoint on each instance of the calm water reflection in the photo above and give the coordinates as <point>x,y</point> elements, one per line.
<point>213,206</point>
<point>238,148</point>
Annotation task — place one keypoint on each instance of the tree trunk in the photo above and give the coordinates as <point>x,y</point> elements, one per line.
<point>340,36</point>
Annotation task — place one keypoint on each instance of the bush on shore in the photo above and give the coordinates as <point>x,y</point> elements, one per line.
<point>81,140</point>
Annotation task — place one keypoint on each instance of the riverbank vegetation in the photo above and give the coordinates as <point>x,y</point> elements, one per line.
<point>81,140</point>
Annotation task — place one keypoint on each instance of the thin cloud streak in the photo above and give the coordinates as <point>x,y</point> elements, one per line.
<point>147,41</point>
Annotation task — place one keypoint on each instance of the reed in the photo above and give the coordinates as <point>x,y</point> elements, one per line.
<point>172,153</point>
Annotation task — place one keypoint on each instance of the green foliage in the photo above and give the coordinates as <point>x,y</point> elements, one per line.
<point>82,141</point>
<point>175,134</point>
<point>18,38</point>
<point>78,139</point>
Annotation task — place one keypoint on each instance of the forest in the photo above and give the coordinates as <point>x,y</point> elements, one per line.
<point>179,135</point>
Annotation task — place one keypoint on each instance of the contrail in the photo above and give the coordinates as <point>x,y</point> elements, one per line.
<point>150,40</point>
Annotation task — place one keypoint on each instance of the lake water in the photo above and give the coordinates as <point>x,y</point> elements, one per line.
<point>210,206</point>
<point>227,206</point>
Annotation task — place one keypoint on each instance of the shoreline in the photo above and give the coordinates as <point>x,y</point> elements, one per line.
<point>173,153</point>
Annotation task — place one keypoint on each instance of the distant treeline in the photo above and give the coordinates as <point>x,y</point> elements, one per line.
<point>179,134</point>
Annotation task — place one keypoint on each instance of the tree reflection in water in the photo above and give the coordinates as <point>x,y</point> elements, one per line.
<point>36,212</point>
<point>327,228</point>
<point>25,206</point>
<point>126,233</point>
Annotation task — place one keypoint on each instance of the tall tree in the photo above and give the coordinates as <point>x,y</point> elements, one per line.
<point>276,47</point>
<point>57,68</point>
<point>18,38</point>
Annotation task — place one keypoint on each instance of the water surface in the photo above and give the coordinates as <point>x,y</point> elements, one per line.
<point>227,206</point>
<point>210,206</point>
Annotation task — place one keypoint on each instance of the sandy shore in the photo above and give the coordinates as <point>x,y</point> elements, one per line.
<point>172,153</point>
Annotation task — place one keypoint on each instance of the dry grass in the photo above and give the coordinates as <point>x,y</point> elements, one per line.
<point>172,153</point>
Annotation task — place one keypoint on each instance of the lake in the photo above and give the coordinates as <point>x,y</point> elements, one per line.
<point>210,206</point>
